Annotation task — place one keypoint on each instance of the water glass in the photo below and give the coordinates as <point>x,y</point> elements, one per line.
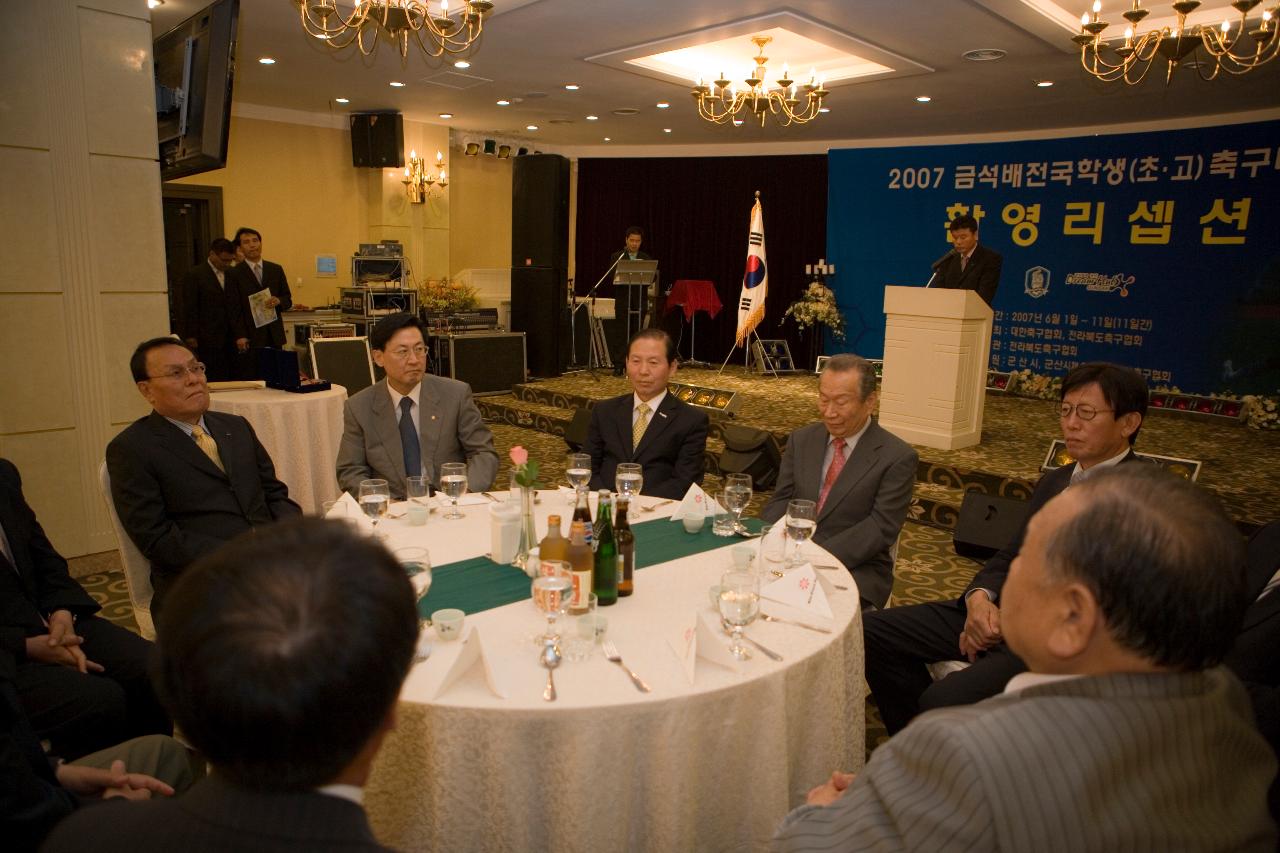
<point>579,646</point>
<point>739,606</point>
<point>629,479</point>
<point>737,494</point>
<point>375,499</point>
<point>417,489</point>
<point>722,523</point>
<point>552,591</point>
<point>453,482</point>
<point>773,549</point>
<point>578,471</point>
<point>801,523</point>
<point>417,565</point>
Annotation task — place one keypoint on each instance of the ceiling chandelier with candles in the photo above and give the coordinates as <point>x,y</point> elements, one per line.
<point>418,182</point>
<point>435,32</point>
<point>790,103</point>
<point>1235,49</point>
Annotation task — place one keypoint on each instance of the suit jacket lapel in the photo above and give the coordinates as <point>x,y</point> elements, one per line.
<point>855,468</point>
<point>658,422</point>
<point>183,446</point>
<point>622,423</point>
<point>428,423</point>
<point>388,426</point>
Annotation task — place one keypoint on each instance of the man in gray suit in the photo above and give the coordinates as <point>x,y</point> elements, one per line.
<point>1123,735</point>
<point>411,422</point>
<point>859,475</point>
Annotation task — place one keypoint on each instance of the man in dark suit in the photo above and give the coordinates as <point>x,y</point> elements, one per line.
<point>185,480</point>
<point>1101,412</point>
<point>969,266</point>
<point>1123,735</point>
<point>627,296</point>
<point>649,426</point>
<point>281,658</point>
<point>211,321</point>
<point>252,276</point>
<point>410,423</point>
<point>82,681</point>
<point>631,248</point>
<point>859,475</point>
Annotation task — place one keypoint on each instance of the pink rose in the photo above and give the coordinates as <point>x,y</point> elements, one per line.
<point>519,455</point>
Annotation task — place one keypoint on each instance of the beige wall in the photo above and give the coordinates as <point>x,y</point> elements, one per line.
<point>480,236</point>
<point>86,281</point>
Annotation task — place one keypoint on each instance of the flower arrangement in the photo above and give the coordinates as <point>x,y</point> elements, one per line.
<point>1037,386</point>
<point>524,471</point>
<point>442,296</point>
<point>817,307</point>
<point>1262,412</point>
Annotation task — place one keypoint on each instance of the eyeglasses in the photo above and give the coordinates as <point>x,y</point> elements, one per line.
<point>403,352</point>
<point>1083,411</point>
<point>196,369</point>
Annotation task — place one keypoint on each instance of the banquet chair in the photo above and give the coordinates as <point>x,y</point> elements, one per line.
<point>137,570</point>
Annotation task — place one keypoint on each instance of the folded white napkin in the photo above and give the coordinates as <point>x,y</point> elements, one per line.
<point>450,661</point>
<point>353,513</point>
<point>696,504</point>
<point>801,594</point>
<point>701,637</point>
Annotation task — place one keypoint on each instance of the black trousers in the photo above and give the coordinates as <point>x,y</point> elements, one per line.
<point>901,641</point>
<point>81,713</point>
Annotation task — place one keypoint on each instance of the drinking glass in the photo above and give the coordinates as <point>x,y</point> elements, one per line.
<point>552,590</point>
<point>737,494</point>
<point>375,499</point>
<point>578,648</point>
<point>453,482</point>
<point>629,480</point>
<point>800,522</point>
<point>417,489</point>
<point>578,471</point>
<point>417,565</point>
<point>739,606</point>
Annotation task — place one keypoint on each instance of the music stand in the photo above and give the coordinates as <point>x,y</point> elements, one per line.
<point>634,282</point>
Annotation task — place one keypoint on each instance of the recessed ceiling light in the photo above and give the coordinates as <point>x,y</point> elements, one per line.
<point>504,103</point>
<point>593,118</point>
<point>666,130</point>
<point>266,60</point>
<point>607,139</point>
<point>530,127</point>
<point>342,100</point>
<point>662,105</point>
<point>737,122</point>
<point>397,84</point>
<point>984,54</point>
<point>462,63</point>
<point>824,109</point>
<point>1044,84</point>
<point>151,4</point>
<point>572,87</point>
<point>924,99</point>
<point>446,115</point>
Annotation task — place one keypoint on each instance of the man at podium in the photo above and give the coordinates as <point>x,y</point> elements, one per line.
<point>631,250</point>
<point>968,266</point>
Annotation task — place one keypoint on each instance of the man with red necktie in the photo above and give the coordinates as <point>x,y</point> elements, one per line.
<point>859,474</point>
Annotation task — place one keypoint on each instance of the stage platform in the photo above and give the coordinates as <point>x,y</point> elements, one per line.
<point>1241,465</point>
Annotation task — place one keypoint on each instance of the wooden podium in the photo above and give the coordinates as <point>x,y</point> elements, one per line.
<point>936,347</point>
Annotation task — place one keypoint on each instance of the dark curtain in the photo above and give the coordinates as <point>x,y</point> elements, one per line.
<point>695,212</point>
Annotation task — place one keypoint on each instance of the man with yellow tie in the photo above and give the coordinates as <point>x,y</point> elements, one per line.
<point>185,480</point>
<point>649,426</point>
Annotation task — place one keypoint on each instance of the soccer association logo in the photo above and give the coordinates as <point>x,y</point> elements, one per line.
<point>1036,282</point>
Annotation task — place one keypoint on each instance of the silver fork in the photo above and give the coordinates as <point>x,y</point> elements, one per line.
<point>611,654</point>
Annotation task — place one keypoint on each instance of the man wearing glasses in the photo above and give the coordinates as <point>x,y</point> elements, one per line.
<point>1101,412</point>
<point>410,422</point>
<point>185,480</point>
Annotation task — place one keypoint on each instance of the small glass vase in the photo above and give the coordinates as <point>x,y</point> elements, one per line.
<point>528,536</point>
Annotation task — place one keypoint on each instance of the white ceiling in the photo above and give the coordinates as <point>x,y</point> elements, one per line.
<point>532,48</point>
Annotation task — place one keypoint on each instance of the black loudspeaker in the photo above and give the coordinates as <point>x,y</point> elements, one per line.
<point>575,434</point>
<point>538,295</point>
<point>377,140</point>
<point>490,362</point>
<point>987,524</point>
<point>750,451</point>
<point>540,211</point>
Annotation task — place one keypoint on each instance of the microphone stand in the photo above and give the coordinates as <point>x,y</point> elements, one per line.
<point>573,313</point>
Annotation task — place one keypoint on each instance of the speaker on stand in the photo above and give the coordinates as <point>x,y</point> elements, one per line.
<point>540,259</point>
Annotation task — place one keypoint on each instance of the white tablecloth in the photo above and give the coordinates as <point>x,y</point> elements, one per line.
<point>710,766</point>
<point>300,431</point>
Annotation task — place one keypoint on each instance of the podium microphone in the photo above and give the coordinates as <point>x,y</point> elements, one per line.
<point>939,262</point>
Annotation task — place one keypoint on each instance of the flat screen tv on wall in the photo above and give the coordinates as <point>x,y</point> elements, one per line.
<point>195,65</point>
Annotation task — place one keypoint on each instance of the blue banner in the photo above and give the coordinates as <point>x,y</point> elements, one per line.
<point>1156,250</point>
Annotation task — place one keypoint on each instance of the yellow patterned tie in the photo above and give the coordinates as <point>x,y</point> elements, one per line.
<point>638,428</point>
<point>208,445</point>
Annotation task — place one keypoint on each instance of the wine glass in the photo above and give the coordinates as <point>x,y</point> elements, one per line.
<point>375,499</point>
<point>578,470</point>
<point>417,565</point>
<point>453,482</point>
<point>629,480</point>
<point>739,606</point>
<point>737,494</point>
<point>800,526</point>
<point>552,590</point>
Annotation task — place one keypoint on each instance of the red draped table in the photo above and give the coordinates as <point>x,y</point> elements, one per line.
<point>694,295</point>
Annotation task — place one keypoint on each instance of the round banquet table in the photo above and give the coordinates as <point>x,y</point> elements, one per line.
<point>712,765</point>
<point>300,431</point>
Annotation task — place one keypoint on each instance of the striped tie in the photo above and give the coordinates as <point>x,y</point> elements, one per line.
<point>638,428</point>
<point>210,447</point>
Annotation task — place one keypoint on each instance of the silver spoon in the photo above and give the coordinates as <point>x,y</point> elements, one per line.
<point>550,659</point>
<point>769,653</point>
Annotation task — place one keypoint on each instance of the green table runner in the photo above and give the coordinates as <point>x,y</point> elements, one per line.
<point>481,584</point>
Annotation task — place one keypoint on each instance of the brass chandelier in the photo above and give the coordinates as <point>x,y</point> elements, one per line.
<point>436,33</point>
<point>1236,50</point>
<point>790,103</point>
<point>418,182</point>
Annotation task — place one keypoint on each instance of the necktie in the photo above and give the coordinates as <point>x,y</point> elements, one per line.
<point>964,262</point>
<point>409,440</point>
<point>638,428</point>
<point>833,472</point>
<point>257,271</point>
<point>210,447</point>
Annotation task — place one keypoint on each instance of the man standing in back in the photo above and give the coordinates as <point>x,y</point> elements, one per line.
<point>253,276</point>
<point>211,317</point>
